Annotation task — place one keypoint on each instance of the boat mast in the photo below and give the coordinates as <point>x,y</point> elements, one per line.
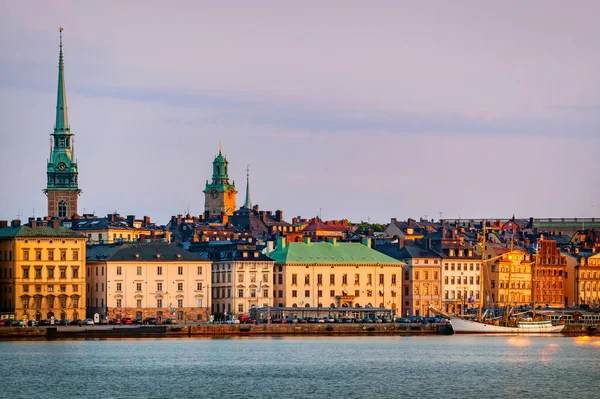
<point>509,277</point>
<point>533,275</point>
<point>481,268</point>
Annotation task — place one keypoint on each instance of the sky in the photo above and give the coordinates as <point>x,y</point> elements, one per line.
<point>343,109</point>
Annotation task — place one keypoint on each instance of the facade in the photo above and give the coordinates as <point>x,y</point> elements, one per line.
<point>241,278</point>
<point>422,275</point>
<point>41,271</point>
<point>335,275</point>
<point>147,280</point>
<point>509,275</point>
<point>62,187</point>
<point>587,280</point>
<point>219,195</point>
<point>548,275</point>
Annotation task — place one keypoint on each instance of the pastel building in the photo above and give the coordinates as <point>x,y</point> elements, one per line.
<point>41,271</point>
<point>147,280</point>
<point>335,274</point>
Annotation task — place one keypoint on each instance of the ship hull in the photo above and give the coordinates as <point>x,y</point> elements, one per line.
<point>461,326</point>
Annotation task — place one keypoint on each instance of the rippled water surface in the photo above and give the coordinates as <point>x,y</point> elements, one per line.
<point>356,367</point>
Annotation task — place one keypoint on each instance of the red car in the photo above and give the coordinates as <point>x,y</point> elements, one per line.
<point>115,322</point>
<point>126,320</point>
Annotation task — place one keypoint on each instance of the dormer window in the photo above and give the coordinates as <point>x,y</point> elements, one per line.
<point>451,252</point>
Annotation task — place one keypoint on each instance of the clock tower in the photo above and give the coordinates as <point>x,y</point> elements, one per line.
<point>219,195</point>
<point>62,187</point>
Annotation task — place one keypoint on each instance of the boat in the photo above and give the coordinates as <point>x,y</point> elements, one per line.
<point>534,325</point>
<point>465,326</point>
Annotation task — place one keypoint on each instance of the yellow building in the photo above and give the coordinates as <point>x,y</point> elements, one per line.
<point>510,275</point>
<point>336,275</point>
<point>41,271</point>
<point>147,280</point>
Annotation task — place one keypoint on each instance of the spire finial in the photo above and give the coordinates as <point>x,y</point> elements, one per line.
<point>62,121</point>
<point>60,33</point>
<point>220,147</point>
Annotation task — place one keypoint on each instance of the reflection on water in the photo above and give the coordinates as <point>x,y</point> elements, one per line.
<point>316,367</point>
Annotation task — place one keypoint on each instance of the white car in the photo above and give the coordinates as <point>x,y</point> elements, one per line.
<point>232,321</point>
<point>88,322</point>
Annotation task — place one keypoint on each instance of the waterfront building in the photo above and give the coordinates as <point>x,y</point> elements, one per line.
<point>114,228</point>
<point>241,276</point>
<point>219,195</point>
<point>41,271</point>
<point>335,274</point>
<point>548,275</point>
<point>422,275</point>
<point>62,186</point>
<point>461,269</point>
<point>147,280</point>
<point>587,279</point>
<point>509,275</point>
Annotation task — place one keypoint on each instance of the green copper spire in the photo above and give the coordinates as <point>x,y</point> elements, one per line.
<point>62,120</point>
<point>248,203</point>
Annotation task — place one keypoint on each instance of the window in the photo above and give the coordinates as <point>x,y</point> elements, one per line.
<point>307,279</point>
<point>50,254</point>
<point>38,288</point>
<point>138,286</point>
<point>369,279</point>
<point>406,276</point>
<point>38,272</point>
<point>294,294</point>
<point>159,303</point>
<point>25,254</point>
<point>180,270</point>
<point>332,279</point>
<point>280,279</point>
<point>63,255</point>
<point>199,272</point>
<point>425,275</point>
<point>159,286</point>
<point>26,272</point>
<point>240,307</point>
<point>50,272</point>
<point>75,272</point>
<point>307,293</point>
<point>319,279</point>
<point>75,288</point>
<point>357,279</point>
<point>199,302</point>
<point>63,272</point>
<point>240,293</point>
<point>266,293</point>
<point>320,293</point>
<point>265,278</point>
<point>63,302</point>
<point>50,301</point>
<point>119,303</point>
<point>38,255</point>
<point>381,279</point>
<point>138,303</point>
<point>332,293</point>
<point>179,286</point>
<point>294,279</point>
<point>50,288</point>
<point>139,270</point>
<point>369,293</point>
<point>119,270</point>
<point>75,255</point>
<point>435,275</point>
<point>356,292</point>
<point>198,286</point>
<point>119,287</point>
<point>26,303</point>
<point>344,279</point>
<point>393,279</point>
<point>416,275</point>
<point>159,271</point>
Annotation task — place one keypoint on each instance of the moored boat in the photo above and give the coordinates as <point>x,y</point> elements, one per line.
<point>464,326</point>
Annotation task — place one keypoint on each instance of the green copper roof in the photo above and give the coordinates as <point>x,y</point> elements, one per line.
<point>329,253</point>
<point>62,120</point>
<point>248,203</point>
<point>42,231</point>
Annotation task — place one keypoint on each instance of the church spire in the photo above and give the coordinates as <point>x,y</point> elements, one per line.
<point>62,120</point>
<point>248,203</point>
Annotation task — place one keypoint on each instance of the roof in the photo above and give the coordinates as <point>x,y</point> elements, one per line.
<point>409,251</point>
<point>329,253</point>
<point>41,231</point>
<point>141,252</point>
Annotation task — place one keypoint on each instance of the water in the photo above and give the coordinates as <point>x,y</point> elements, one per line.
<point>356,367</point>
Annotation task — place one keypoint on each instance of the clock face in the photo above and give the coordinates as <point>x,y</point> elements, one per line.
<point>213,193</point>
<point>61,166</point>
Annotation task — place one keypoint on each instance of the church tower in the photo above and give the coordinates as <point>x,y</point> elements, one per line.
<point>219,195</point>
<point>62,187</point>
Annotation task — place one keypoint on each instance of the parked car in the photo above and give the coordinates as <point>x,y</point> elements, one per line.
<point>44,322</point>
<point>151,321</point>
<point>232,321</point>
<point>116,322</point>
<point>126,320</point>
<point>88,322</point>
<point>137,321</point>
<point>63,322</point>
<point>171,320</point>
<point>76,322</point>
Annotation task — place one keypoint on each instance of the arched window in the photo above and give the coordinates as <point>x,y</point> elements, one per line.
<point>218,170</point>
<point>62,209</point>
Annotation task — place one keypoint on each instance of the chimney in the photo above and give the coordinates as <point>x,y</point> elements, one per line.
<point>15,223</point>
<point>130,219</point>
<point>255,208</point>
<point>146,220</point>
<point>55,224</point>
<point>306,240</point>
<point>411,222</point>
<point>179,217</point>
<point>400,243</point>
<point>263,216</point>
<point>428,243</point>
<point>333,241</point>
<point>173,221</point>
<point>225,219</point>
<point>33,223</point>
<point>3,223</point>
<point>366,242</point>
<point>281,242</point>
<point>279,215</point>
<point>394,220</point>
